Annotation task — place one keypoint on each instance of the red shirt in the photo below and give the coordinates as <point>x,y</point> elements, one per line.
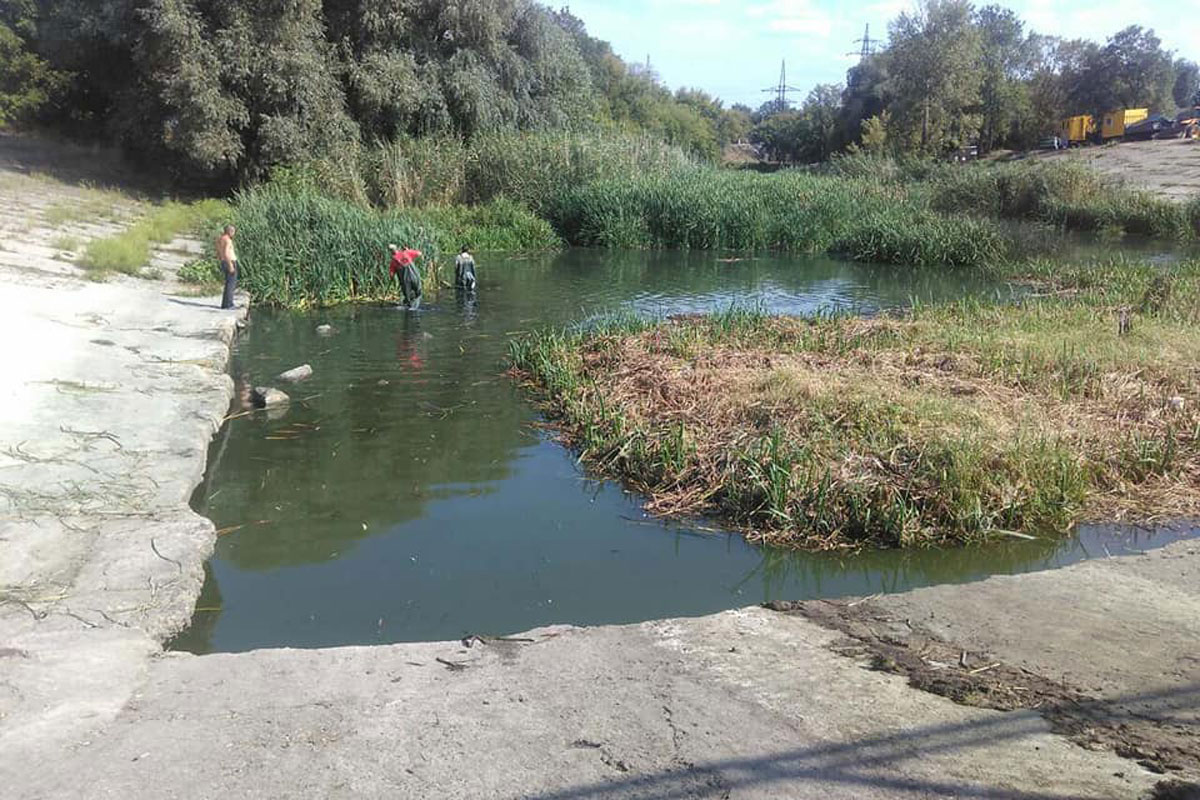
<point>401,259</point>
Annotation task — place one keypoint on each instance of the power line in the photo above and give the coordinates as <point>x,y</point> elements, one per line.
<point>868,44</point>
<point>782,91</point>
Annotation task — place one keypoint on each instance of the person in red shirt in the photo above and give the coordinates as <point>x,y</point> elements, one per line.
<point>404,263</point>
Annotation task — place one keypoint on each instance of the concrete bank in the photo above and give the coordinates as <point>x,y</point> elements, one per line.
<point>109,395</point>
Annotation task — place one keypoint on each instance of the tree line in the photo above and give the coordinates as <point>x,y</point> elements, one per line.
<point>224,90</point>
<point>953,74</point>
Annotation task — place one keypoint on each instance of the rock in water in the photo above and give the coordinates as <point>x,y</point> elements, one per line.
<point>296,375</point>
<point>324,330</point>
<point>268,397</point>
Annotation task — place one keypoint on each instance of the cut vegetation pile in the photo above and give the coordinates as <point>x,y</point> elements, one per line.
<point>950,424</point>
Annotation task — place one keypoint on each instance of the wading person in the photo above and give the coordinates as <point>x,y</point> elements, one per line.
<point>464,270</point>
<point>227,255</point>
<point>403,263</point>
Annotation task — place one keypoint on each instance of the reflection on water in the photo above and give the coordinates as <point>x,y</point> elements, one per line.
<point>411,495</point>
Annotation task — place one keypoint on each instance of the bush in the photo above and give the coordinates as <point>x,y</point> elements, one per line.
<point>201,271</point>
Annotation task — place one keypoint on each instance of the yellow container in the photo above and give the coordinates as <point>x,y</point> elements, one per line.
<point>1077,129</point>
<point>1115,121</point>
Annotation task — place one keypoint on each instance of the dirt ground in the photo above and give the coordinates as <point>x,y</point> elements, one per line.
<point>1169,166</point>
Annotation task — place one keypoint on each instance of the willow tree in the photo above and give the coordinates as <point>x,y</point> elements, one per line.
<point>457,65</point>
<point>233,87</point>
<point>936,71</point>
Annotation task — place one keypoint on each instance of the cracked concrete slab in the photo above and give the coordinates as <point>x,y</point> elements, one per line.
<point>742,704</point>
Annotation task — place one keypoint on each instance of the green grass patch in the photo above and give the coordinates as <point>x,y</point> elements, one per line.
<point>66,242</point>
<point>128,252</point>
<point>952,423</point>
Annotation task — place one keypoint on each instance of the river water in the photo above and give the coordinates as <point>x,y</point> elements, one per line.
<point>412,495</point>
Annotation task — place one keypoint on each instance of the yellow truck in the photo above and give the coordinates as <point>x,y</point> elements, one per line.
<point>1077,129</point>
<point>1113,126</point>
<point>1081,128</point>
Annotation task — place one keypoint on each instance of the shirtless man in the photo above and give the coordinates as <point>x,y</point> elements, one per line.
<point>227,255</point>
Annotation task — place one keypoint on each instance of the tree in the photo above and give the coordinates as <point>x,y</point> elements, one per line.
<point>27,82</point>
<point>868,93</point>
<point>1186,91</point>
<point>822,112</point>
<point>935,65</point>
<point>1130,71</point>
<point>1006,65</point>
<point>874,133</point>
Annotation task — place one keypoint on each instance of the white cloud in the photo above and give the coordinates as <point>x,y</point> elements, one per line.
<point>800,17</point>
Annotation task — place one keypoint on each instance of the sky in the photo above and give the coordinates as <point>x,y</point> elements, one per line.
<point>733,49</point>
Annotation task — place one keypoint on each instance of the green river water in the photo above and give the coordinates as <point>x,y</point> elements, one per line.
<point>412,495</point>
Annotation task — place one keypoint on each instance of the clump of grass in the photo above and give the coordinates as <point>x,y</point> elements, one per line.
<point>299,248</point>
<point>128,252</point>
<point>66,242</point>
<point>953,423</point>
<point>203,271</point>
<point>1066,194</point>
<point>500,225</point>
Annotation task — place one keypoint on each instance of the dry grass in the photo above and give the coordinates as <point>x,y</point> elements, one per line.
<point>951,424</point>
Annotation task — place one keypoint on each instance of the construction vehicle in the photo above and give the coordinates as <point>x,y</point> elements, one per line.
<point>1187,124</point>
<point>1082,128</point>
<point>1116,121</point>
<point>1076,130</point>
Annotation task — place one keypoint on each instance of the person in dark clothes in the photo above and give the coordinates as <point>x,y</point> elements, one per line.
<point>227,255</point>
<point>464,271</point>
<point>404,264</point>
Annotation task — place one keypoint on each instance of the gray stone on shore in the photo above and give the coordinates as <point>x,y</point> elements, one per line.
<point>324,330</point>
<point>269,397</point>
<point>301,373</point>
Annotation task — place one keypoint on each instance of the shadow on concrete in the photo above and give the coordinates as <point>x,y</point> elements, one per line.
<point>874,763</point>
<point>212,305</point>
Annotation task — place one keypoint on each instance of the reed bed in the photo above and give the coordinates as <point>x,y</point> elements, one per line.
<point>710,209</point>
<point>500,225</point>
<point>952,423</point>
<point>530,168</point>
<point>300,249</point>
